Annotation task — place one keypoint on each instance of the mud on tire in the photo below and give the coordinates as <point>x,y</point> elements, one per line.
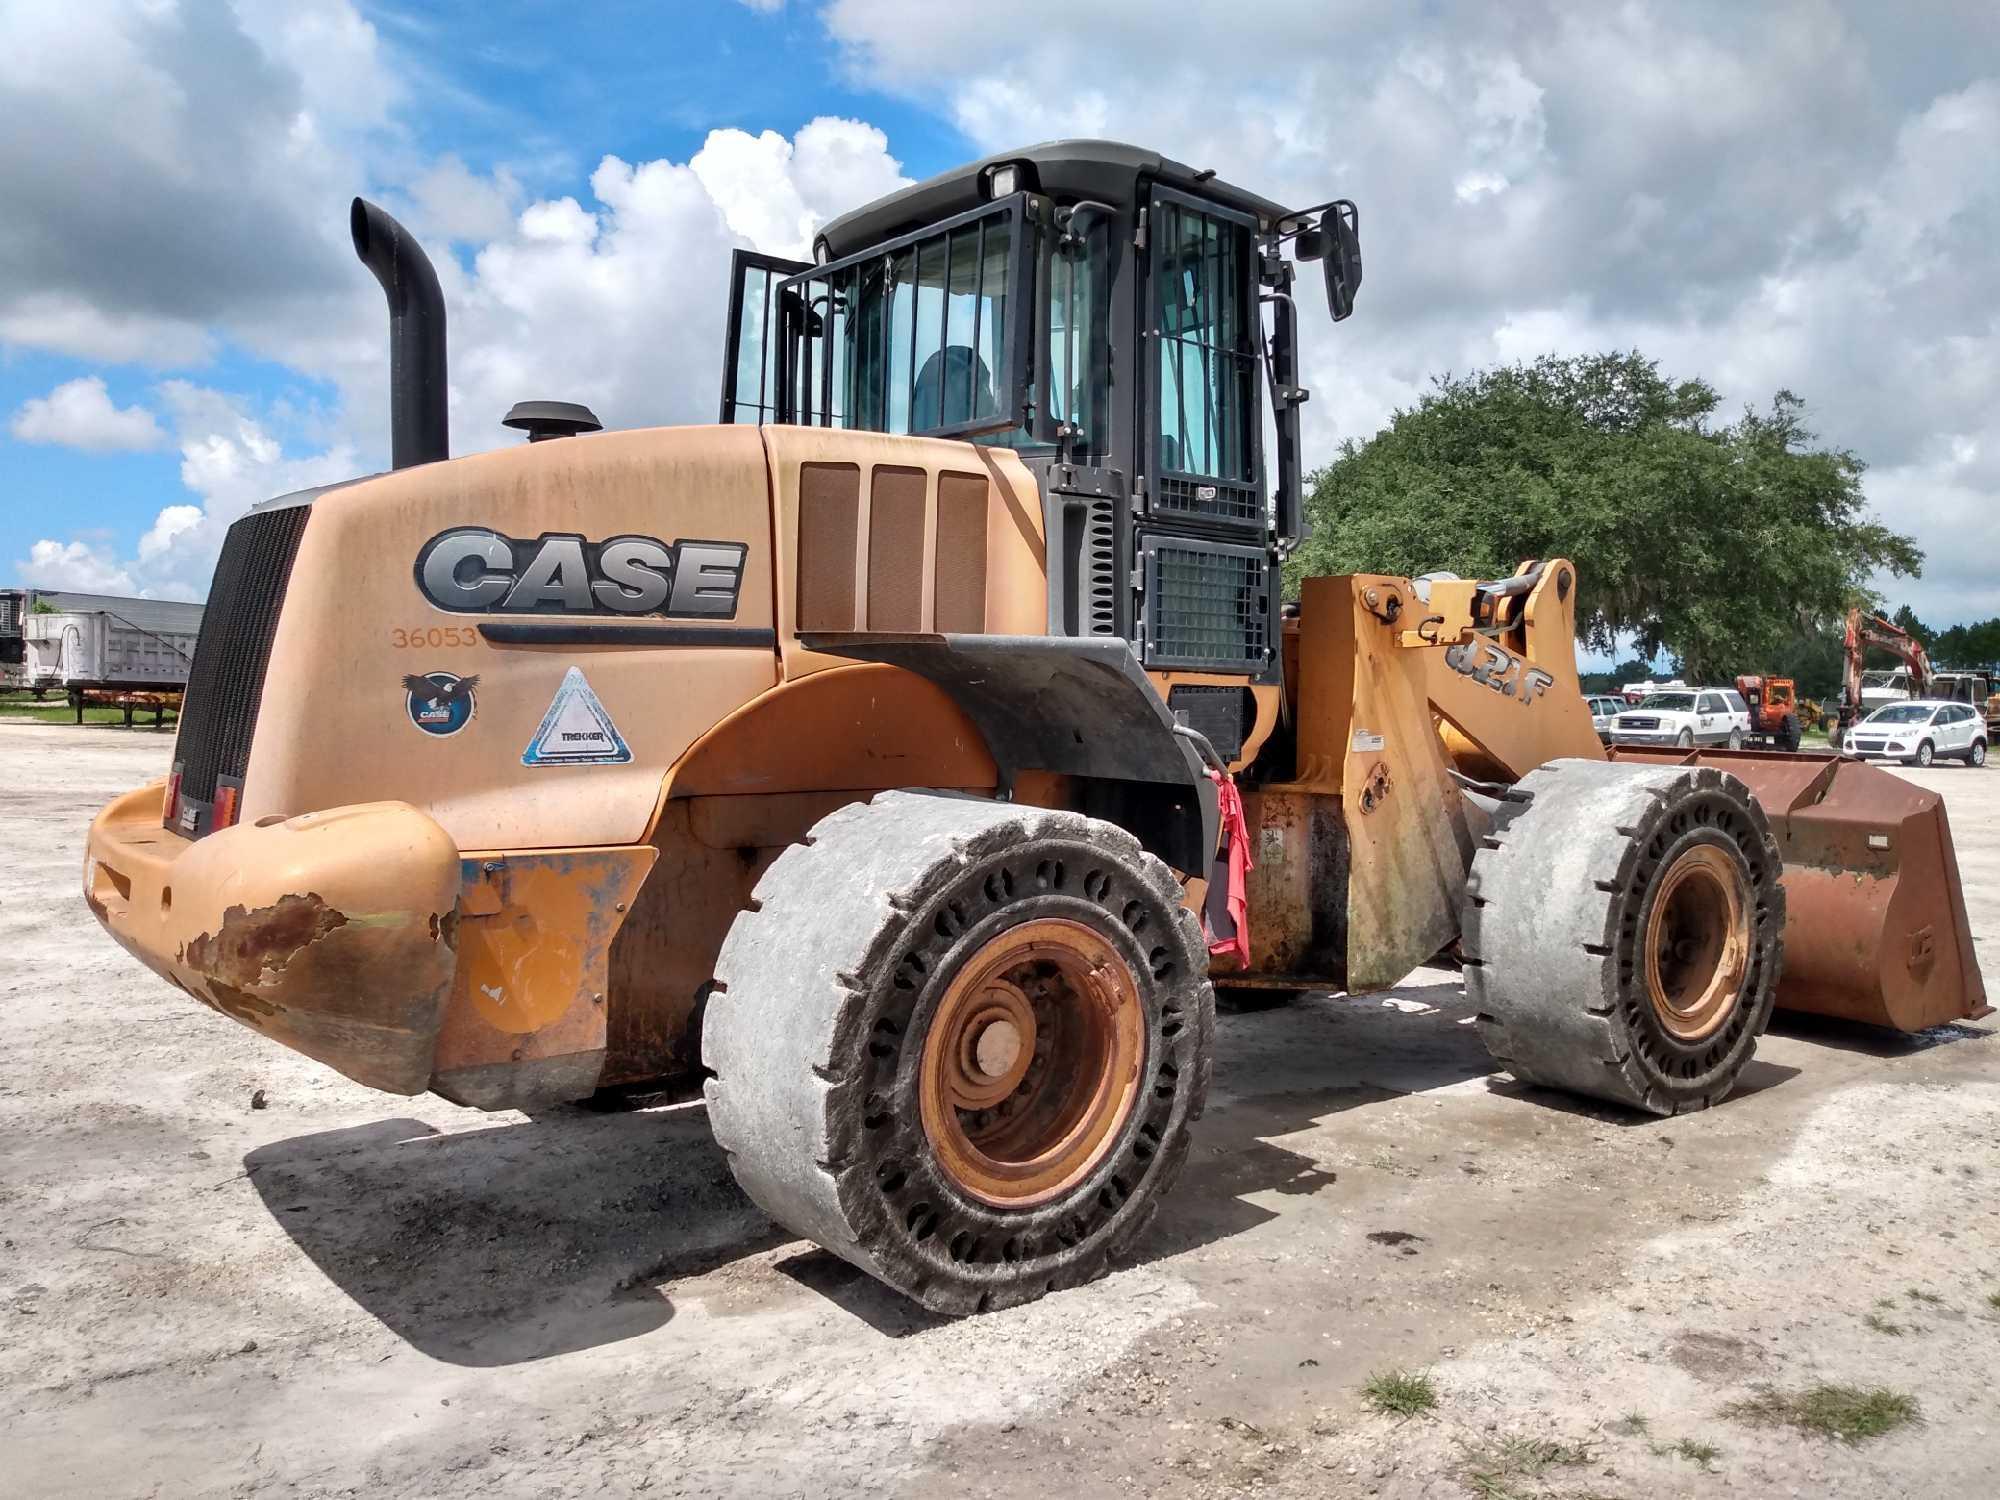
<point>1564,901</point>
<point>815,1036</point>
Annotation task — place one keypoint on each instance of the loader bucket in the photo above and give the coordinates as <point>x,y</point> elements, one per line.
<point>1875,924</point>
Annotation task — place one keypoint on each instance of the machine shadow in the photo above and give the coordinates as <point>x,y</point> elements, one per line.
<point>516,1242</point>
<point>1286,1069</point>
<point>510,1244</point>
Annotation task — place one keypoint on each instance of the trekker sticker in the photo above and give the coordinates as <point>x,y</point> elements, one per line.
<point>439,703</point>
<point>576,731</point>
<point>472,570</point>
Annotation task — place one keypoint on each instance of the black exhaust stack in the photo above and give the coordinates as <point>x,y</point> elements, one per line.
<point>419,428</point>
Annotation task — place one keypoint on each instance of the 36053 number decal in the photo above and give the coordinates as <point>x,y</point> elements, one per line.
<point>432,637</point>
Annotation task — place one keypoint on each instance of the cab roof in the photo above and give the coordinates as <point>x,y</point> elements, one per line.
<point>1069,171</point>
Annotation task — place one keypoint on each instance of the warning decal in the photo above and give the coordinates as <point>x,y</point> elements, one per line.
<point>576,731</point>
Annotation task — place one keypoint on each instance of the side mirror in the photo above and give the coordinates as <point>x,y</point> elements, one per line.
<point>1340,235</point>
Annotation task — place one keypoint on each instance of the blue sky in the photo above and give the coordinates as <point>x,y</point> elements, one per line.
<point>537,90</point>
<point>183,329</point>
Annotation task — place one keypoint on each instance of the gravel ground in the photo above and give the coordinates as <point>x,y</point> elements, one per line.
<point>343,1293</point>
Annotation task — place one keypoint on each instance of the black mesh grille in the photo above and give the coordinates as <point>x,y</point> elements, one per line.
<point>226,682</point>
<point>1209,499</point>
<point>1223,715</point>
<point>1207,605</point>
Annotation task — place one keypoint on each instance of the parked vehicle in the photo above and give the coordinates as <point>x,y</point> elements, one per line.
<point>1637,692</point>
<point>1604,709</point>
<point>1918,732</point>
<point>1861,692</point>
<point>1774,711</point>
<point>54,639</point>
<point>98,649</point>
<point>1698,716</point>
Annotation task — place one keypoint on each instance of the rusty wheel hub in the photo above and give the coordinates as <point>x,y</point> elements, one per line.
<point>1031,1062</point>
<point>1697,943</point>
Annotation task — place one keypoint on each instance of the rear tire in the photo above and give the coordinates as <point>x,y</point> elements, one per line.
<point>1623,932</point>
<point>1736,739</point>
<point>1789,733</point>
<point>1976,756</point>
<point>917,955</point>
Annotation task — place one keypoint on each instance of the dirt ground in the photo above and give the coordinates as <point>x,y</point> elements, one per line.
<point>343,1293</point>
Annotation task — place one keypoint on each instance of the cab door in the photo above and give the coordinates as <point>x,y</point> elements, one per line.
<point>751,346</point>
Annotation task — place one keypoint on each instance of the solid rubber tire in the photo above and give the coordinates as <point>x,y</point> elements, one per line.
<point>1556,908</point>
<point>815,1033</point>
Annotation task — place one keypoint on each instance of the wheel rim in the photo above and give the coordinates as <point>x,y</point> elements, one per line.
<point>1923,755</point>
<point>1031,1062</point>
<point>1697,943</point>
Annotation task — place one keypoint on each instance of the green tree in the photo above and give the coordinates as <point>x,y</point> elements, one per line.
<point>1719,544</point>
<point>1969,646</point>
<point>1905,619</point>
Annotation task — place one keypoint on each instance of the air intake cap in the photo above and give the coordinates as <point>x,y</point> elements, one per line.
<point>542,420</point>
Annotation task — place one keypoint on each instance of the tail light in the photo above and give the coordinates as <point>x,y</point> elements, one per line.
<point>171,813</point>
<point>225,806</point>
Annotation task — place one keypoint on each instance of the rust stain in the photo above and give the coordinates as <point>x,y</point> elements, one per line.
<point>251,944</point>
<point>239,1004</point>
<point>1376,789</point>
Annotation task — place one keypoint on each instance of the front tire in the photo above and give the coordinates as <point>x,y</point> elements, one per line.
<point>960,1043</point>
<point>1789,733</point>
<point>1623,932</point>
<point>1686,741</point>
<point>1925,754</point>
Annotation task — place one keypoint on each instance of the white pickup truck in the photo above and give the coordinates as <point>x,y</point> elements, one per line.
<point>1696,716</point>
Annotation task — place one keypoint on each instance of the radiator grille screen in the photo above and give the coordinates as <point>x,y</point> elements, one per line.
<point>1207,605</point>
<point>959,587</point>
<point>896,549</point>
<point>226,682</point>
<point>829,527</point>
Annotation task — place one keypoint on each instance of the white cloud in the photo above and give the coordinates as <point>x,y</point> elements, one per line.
<point>776,193</point>
<point>74,565</point>
<point>457,203</point>
<point>80,414</point>
<point>1799,194</point>
<point>1795,194</point>
<point>174,521</point>
<point>617,301</point>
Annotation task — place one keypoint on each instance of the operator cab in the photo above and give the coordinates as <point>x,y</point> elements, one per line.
<point>1101,310</point>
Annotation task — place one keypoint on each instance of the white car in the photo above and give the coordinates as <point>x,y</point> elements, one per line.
<point>1685,719</point>
<point>1604,708</point>
<point>1920,731</point>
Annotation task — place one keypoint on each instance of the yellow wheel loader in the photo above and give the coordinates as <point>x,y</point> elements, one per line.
<point>906,757</point>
